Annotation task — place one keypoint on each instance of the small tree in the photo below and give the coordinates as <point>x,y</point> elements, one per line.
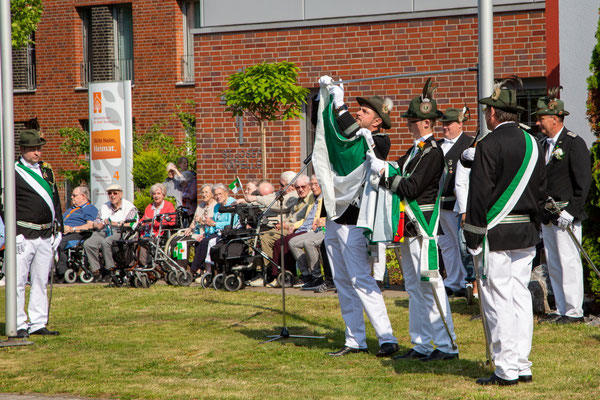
<point>25,15</point>
<point>267,92</point>
<point>591,239</point>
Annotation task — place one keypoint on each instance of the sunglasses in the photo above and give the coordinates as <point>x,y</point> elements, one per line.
<point>111,192</point>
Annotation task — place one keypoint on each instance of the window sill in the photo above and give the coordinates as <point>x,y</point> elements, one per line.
<point>185,84</point>
<point>24,91</point>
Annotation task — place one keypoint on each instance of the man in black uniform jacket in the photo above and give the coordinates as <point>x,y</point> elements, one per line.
<point>418,183</point>
<point>503,220</point>
<point>569,177</point>
<point>453,144</point>
<point>346,244</point>
<point>39,217</point>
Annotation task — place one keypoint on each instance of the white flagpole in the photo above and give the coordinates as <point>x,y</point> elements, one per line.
<point>486,57</point>
<point>8,160</point>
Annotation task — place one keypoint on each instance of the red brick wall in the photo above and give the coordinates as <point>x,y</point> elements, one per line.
<point>157,30</point>
<point>349,52</point>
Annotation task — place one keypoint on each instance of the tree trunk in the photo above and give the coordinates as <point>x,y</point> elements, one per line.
<point>263,144</point>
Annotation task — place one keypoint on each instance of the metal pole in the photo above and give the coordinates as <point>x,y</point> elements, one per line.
<point>425,73</point>
<point>486,57</point>
<point>8,159</point>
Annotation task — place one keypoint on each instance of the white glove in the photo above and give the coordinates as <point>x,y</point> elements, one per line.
<point>337,91</point>
<point>55,241</point>
<point>364,132</point>
<point>325,80</point>
<point>469,154</point>
<point>476,251</point>
<point>376,164</point>
<point>564,220</point>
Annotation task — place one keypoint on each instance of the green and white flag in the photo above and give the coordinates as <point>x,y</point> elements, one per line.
<point>345,177</point>
<point>180,251</point>
<point>236,185</point>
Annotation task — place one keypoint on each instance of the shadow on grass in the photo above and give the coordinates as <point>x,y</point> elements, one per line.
<point>457,306</point>
<point>460,367</point>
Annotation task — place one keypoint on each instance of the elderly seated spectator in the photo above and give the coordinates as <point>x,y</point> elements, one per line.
<point>213,227</point>
<point>307,241</point>
<point>107,226</point>
<point>204,212</point>
<point>251,188</point>
<point>79,217</point>
<point>152,219</point>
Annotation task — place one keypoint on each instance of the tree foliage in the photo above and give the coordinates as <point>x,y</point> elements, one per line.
<point>76,142</point>
<point>267,92</point>
<point>149,167</point>
<point>591,239</point>
<point>25,15</point>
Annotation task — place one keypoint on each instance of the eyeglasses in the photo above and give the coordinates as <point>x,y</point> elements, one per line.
<point>75,195</point>
<point>111,193</point>
<point>301,186</point>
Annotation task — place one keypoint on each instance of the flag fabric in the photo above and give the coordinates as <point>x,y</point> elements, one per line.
<point>180,251</point>
<point>346,179</point>
<point>236,185</point>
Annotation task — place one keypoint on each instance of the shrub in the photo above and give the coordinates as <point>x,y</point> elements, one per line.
<point>149,167</point>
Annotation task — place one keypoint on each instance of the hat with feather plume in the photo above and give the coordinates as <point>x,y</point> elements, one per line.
<point>381,106</point>
<point>551,104</point>
<point>424,106</point>
<point>504,96</point>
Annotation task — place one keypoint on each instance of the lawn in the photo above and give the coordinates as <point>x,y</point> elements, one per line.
<point>180,343</point>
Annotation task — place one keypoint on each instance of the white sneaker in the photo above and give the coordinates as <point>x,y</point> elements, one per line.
<point>274,284</point>
<point>3,281</point>
<point>258,282</point>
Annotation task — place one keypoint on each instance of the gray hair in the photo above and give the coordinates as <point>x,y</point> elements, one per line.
<point>220,186</point>
<point>159,186</point>
<point>84,191</point>
<point>287,176</point>
<point>207,185</point>
<point>303,178</point>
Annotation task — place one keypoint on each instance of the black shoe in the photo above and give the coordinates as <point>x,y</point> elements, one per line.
<point>347,350</point>
<point>387,349</point>
<point>552,317</point>
<point>449,292</point>
<point>496,380</point>
<point>325,287</point>
<point>380,285</point>
<point>44,331</point>
<point>525,378</point>
<point>412,354</point>
<point>568,320</point>
<point>462,292</point>
<point>312,285</point>
<point>438,355</point>
<point>22,334</point>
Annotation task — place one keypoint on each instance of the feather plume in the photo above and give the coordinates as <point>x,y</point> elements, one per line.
<point>512,82</point>
<point>387,106</point>
<point>554,92</point>
<point>428,90</point>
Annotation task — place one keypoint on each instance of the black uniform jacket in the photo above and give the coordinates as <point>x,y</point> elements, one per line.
<point>349,127</point>
<point>497,160</point>
<point>452,157</point>
<point>31,207</point>
<point>426,169</point>
<point>569,177</point>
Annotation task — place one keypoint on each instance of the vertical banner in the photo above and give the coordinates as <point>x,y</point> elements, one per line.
<point>111,139</point>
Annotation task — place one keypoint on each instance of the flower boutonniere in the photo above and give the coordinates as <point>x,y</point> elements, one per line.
<point>421,145</point>
<point>558,153</point>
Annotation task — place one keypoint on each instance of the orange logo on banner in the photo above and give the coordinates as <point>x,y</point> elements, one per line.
<point>106,144</point>
<point>97,102</point>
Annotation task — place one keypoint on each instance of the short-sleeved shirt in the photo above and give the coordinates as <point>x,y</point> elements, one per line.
<point>77,216</point>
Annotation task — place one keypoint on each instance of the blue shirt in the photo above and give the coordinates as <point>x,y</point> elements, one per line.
<point>77,216</point>
<point>224,219</point>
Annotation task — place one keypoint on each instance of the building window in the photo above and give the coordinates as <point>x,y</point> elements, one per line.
<point>533,89</point>
<point>107,44</point>
<point>191,15</point>
<point>23,61</point>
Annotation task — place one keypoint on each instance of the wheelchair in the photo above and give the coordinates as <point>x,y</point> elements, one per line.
<point>77,263</point>
<point>234,255</point>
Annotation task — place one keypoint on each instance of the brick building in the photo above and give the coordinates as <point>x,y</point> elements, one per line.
<point>175,51</point>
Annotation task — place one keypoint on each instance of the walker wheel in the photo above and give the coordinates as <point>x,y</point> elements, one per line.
<point>144,281</point>
<point>289,279</point>
<point>172,278</point>
<point>70,276</point>
<point>218,283</point>
<point>233,282</point>
<point>184,278</point>
<point>86,276</point>
<point>206,280</point>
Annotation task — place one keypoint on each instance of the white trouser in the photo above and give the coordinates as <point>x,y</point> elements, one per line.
<point>565,269</point>
<point>449,244</point>
<point>347,251</point>
<point>507,307</point>
<point>425,324</point>
<point>34,258</point>
<point>211,243</point>
<point>379,265</point>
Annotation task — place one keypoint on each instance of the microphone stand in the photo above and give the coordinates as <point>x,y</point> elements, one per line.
<point>281,278</point>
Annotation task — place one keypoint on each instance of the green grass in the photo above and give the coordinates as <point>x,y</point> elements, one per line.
<point>180,343</point>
